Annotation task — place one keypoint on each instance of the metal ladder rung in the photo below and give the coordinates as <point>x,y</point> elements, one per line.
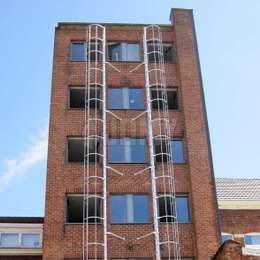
<point>153,40</point>
<point>95,177</point>
<point>96,51</point>
<point>158,99</point>
<point>95,38</point>
<point>96,69</point>
<point>95,196</point>
<point>158,52</point>
<point>91,84</point>
<point>96,243</point>
<point>95,119</point>
<point>162,137</point>
<point>89,154</point>
<point>94,136</point>
<point>151,70</point>
<point>93,217</point>
<point>165,196</point>
<point>167,216</point>
<point>159,119</point>
<point>161,154</point>
<point>164,176</point>
<point>97,99</point>
<point>168,242</point>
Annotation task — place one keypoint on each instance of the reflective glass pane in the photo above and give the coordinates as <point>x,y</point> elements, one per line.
<point>133,53</point>
<point>118,211</point>
<point>138,150</point>
<point>114,52</point>
<point>136,98</point>
<point>77,51</point>
<point>177,151</point>
<point>30,240</point>
<point>115,98</point>
<point>9,240</point>
<point>252,239</point>
<point>182,209</point>
<point>226,237</point>
<point>116,150</point>
<point>141,209</point>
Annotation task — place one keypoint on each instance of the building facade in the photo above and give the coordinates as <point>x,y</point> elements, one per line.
<point>106,153</point>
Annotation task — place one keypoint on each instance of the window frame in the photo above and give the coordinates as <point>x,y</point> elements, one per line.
<point>179,195</point>
<point>226,234</point>
<point>70,50</point>
<point>132,195</point>
<point>174,53</point>
<point>169,89</point>
<point>109,43</point>
<point>66,222</point>
<point>119,138</point>
<point>81,87</point>
<point>129,88</point>
<point>20,234</point>
<point>81,162</point>
<point>254,246</point>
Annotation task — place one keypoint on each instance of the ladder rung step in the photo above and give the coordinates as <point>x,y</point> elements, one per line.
<point>95,177</point>
<point>96,243</point>
<point>167,216</point>
<point>168,242</point>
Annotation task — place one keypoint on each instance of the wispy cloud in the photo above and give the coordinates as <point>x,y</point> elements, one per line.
<point>35,152</point>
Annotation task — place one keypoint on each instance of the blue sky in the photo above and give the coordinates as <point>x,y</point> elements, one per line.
<point>228,38</point>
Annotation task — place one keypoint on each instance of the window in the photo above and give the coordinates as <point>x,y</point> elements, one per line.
<point>166,209</point>
<point>127,150</point>
<point>76,149</point>
<point>123,51</point>
<point>129,209</point>
<point>125,98</point>
<point>162,151</point>
<point>77,51</point>
<point>9,240</point>
<point>252,240</point>
<point>30,240</point>
<point>74,209</point>
<point>157,95</point>
<point>226,236</point>
<point>77,97</point>
<point>168,50</point>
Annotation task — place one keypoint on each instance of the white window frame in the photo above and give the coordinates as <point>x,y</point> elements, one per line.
<point>251,246</point>
<point>226,234</point>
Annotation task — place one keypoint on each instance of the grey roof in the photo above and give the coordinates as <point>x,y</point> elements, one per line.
<point>238,189</point>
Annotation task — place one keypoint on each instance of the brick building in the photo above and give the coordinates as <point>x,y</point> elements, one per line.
<point>128,199</point>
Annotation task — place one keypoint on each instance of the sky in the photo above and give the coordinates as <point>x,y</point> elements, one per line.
<point>228,33</point>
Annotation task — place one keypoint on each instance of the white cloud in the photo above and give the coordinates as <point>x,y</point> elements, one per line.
<point>35,152</point>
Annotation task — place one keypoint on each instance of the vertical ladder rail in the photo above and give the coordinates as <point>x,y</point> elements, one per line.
<point>155,77</point>
<point>151,150</point>
<point>94,184</point>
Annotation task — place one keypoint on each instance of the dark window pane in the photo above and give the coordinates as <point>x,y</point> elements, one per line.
<point>75,209</point>
<point>133,53</point>
<point>178,151</point>
<point>116,150</point>
<point>114,52</point>
<point>115,98</point>
<point>118,213</point>
<point>159,99</point>
<point>138,150</point>
<point>162,151</point>
<point>182,209</point>
<point>154,52</point>
<point>93,150</point>
<point>166,209</point>
<point>136,98</point>
<point>141,209</point>
<point>95,47</point>
<point>168,53</point>
<point>77,51</point>
<point>75,149</point>
<point>94,96</point>
<point>77,98</point>
<point>172,98</point>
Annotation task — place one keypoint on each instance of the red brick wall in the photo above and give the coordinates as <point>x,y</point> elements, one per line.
<point>21,257</point>
<point>200,237</point>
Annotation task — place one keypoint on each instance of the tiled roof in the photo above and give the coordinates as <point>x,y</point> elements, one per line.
<point>238,189</point>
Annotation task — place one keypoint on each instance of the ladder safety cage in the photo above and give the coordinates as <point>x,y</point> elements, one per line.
<point>163,180</point>
<point>94,239</point>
